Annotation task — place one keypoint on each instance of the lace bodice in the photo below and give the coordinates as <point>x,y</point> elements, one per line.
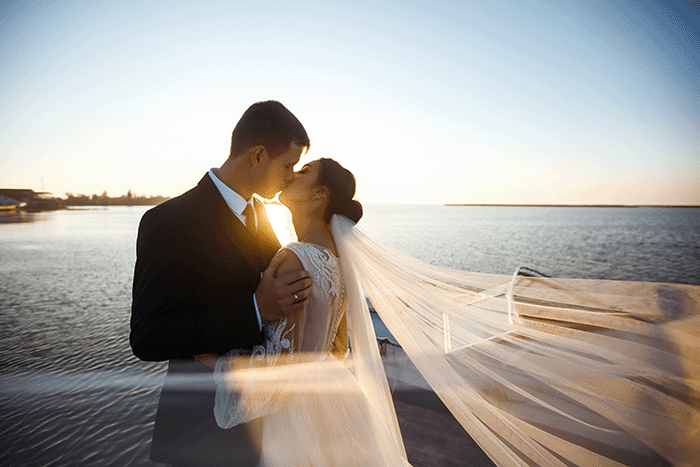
<point>325,309</point>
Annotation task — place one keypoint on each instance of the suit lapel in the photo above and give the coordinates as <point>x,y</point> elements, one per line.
<point>257,250</point>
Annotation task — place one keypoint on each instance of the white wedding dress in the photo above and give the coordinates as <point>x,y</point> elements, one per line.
<point>313,409</point>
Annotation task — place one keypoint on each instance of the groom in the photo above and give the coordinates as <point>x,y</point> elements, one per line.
<point>204,284</point>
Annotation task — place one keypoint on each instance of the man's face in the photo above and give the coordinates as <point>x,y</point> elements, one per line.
<point>278,172</point>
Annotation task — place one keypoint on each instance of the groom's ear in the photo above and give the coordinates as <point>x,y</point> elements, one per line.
<point>256,155</point>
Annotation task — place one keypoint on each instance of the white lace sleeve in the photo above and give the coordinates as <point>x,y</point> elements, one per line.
<point>239,399</point>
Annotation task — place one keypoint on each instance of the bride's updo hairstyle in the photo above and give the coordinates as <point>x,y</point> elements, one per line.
<point>341,185</point>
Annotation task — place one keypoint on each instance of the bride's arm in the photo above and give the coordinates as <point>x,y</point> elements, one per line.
<point>294,322</point>
<point>245,390</point>
<point>294,327</point>
<point>282,338</point>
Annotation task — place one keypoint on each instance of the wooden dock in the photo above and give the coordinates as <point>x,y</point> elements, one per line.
<point>431,434</point>
<point>433,438</point>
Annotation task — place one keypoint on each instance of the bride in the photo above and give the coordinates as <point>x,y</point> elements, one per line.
<point>539,371</point>
<point>317,407</point>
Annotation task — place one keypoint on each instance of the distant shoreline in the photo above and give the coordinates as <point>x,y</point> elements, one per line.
<point>585,205</point>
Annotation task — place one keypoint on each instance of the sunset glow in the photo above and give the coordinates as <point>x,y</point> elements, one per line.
<point>570,102</point>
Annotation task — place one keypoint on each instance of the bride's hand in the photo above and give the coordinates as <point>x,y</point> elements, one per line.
<point>284,288</point>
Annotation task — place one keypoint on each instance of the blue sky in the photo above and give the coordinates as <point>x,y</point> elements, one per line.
<point>426,102</point>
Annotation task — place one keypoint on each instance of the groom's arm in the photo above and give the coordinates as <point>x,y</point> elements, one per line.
<point>167,322</point>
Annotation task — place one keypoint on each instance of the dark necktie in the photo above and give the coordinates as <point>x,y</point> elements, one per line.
<point>249,214</point>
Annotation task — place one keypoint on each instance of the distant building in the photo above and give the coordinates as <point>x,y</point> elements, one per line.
<point>30,200</point>
<point>18,194</point>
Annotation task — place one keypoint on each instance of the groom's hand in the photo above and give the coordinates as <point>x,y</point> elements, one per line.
<point>284,288</point>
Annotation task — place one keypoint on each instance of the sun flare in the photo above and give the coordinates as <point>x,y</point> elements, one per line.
<point>281,220</point>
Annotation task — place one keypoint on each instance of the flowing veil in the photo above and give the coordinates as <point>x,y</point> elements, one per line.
<point>539,371</point>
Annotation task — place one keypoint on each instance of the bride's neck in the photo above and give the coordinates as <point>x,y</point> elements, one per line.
<point>312,229</point>
<point>308,229</point>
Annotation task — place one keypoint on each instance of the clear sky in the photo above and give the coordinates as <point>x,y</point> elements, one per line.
<point>513,101</point>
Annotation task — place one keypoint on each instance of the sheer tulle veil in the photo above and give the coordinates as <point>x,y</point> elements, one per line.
<point>539,371</point>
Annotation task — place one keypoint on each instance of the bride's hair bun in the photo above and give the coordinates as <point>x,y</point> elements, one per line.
<point>353,211</point>
<point>341,185</point>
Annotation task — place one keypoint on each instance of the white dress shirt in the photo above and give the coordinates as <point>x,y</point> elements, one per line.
<point>236,204</point>
<point>233,200</point>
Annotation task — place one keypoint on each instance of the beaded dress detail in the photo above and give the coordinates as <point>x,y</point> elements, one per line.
<point>326,306</point>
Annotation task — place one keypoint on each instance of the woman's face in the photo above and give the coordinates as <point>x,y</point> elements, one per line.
<point>301,189</point>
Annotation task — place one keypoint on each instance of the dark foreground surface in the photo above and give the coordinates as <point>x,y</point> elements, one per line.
<point>84,421</point>
<point>432,436</point>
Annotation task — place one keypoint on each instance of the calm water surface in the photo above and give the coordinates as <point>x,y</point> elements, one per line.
<point>631,244</point>
<point>71,393</point>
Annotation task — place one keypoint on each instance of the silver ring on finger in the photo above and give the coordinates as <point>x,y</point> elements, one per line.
<point>296,298</point>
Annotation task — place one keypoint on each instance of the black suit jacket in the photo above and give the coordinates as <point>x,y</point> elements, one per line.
<point>197,268</point>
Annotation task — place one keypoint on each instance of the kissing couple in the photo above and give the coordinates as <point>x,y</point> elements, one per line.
<point>273,359</point>
<point>210,278</point>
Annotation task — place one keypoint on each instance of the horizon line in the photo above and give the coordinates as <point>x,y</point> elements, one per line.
<point>581,205</point>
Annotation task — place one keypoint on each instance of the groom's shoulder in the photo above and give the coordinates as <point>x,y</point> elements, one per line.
<point>172,205</point>
<point>174,211</point>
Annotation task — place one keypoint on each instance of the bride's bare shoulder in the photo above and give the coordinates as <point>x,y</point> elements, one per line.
<point>290,263</point>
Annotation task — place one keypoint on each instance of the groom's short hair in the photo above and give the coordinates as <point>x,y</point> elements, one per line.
<point>271,125</point>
